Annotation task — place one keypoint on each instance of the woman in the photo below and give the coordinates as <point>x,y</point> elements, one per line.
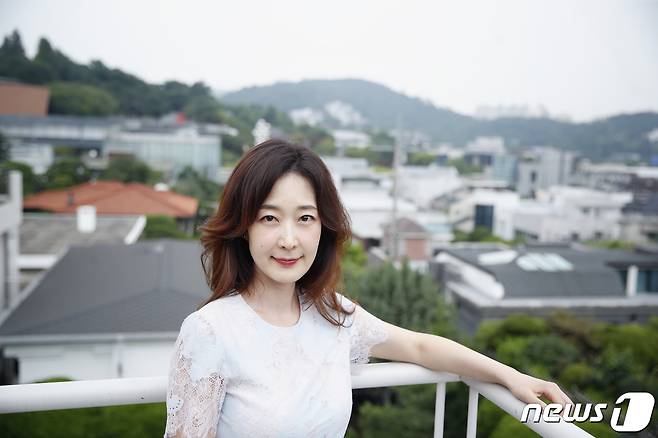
<point>269,353</point>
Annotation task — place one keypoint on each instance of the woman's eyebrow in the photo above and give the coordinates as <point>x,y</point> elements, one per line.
<point>301,207</point>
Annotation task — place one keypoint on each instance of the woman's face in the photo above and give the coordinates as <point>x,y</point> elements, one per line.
<point>284,239</point>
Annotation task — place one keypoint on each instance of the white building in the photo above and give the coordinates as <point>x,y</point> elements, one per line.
<point>423,184</point>
<point>306,116</point>
<point>494,204</point>
<point>262,131</point>
<point>11,215</point>
<point>564,214</point>
<point>169,151</point>
<point>344,138</point>
<point>39,156</point>
<point>543,167</point>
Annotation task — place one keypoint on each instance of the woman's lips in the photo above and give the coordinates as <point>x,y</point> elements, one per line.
<point>286,262</point>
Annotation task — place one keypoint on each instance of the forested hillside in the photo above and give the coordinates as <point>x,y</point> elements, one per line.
<point>383,108</point>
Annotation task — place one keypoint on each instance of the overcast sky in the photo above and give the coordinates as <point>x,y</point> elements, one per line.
<point>585,59</point>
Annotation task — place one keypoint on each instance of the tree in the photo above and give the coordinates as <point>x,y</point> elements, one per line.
<point>127,169</point>
<point>66,173</point>
<point>4,148</point>
<point>80,99</point>
<point>463,167</point>
<point>161,226</point>
<point>203,109</point>
<point>189,182</point>
<point>31,183</point>
<point>420,159</point>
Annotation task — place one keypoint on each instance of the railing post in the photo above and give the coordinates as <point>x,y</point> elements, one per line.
<point>439,410</point>
<point>472,424</point>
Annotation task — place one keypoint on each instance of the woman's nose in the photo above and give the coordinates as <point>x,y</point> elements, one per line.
<point>288,237</point>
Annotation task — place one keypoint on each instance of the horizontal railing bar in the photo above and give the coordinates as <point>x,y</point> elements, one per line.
<point>396,374</point>
<point>503,398</point>
<point>81,394</point>
<point>114,392</point>
<point>126,391</point>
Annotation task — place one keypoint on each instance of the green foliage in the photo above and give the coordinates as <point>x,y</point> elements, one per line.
<point>4,148</point>
<point>189,182</point>
<point>463,167</point>
<point>14,63</point>
<point>31,183</point>
<point>161,226</point>
<point>136,421</point>
<point>375,158</point>
<point>355,258</point>
<point>127,170</point>
<point>326,147</point>
<point>203,109</point>
<point>493,332</point>
<point>315,138</point>
<point>390,421</point>
<point>481,234</point>
<point>420,159</point>
<point>66,172</point>
<point>79,99</point>
<point>402,296</point>
<point>511,427</point>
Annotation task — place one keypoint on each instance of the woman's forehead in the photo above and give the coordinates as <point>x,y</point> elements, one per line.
<point>291,191</point>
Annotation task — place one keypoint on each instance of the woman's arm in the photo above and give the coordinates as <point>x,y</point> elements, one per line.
<point>441,354</point>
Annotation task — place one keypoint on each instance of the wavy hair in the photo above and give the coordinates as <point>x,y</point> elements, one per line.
<point>226,260</point>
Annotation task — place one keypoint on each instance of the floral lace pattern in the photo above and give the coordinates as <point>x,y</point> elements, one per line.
<point>196,389</point>
<point>366,332</point>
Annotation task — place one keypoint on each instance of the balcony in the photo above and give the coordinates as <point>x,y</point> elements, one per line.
<point>113,392</point>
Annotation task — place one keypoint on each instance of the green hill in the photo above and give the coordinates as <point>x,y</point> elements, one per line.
<point>382,106</point>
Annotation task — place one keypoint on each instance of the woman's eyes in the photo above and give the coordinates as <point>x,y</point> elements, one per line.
<point>306,218</point>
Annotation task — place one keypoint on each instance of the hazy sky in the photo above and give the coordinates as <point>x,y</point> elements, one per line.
<point>585,59</point>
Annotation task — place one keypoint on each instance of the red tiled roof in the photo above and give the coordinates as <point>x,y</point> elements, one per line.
<point>112,197</point>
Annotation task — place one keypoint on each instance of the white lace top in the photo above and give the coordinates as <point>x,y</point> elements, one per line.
<point>235,375</point>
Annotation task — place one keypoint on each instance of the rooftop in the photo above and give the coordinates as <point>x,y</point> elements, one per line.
<point>115,198</point>
<point>147,287</point>
<point>52,233</point>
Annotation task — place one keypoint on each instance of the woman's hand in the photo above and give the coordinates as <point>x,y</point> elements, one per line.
<point>528,389</point>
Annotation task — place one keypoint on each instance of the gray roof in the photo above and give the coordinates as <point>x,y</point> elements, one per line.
<point>147,287</point>
<point>53,233</point>
<point>594,272</point>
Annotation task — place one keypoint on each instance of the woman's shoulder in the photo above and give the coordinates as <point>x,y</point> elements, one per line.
<point>213,313</point>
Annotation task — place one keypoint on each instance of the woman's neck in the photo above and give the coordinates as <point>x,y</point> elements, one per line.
<point>273,299</point>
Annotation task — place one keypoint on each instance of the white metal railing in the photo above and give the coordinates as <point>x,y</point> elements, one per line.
<point>111,392</point>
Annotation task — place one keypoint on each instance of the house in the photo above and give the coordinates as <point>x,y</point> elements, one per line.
<point>563,214</point>
<point>117,198</point>
<point>17,98</point>
<point>44,238</point>
<point>639,222</point>
<point>493,281</point>
<point>106,311</point>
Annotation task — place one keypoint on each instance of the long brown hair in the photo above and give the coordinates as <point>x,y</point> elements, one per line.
<point>226,259</point>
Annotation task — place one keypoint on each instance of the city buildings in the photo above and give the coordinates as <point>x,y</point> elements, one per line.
<point>492,282</point>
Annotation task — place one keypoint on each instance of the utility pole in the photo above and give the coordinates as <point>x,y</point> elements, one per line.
<point>396,162</point>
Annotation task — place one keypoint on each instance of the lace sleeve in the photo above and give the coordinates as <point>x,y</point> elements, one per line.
<point>196,387</point>
<point>366,331</point>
